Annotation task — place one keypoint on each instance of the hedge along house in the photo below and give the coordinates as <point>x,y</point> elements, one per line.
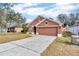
<point>45,26</point>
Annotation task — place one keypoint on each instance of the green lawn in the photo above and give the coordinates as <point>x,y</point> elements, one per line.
<point>61,47</point>
<point>12,37</point>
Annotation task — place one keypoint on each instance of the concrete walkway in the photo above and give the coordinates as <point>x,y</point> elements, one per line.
<point>31,46</point>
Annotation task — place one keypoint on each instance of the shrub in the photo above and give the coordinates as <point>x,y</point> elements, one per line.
<point>66,34</point>
<point>30,33</point>
<point>25,28</point>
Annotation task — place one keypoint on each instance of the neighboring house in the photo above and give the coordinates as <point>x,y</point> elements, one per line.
<point>44,26</point>
<point>11,29</point>
<point>18,29</point>
<point>14,29</point>
<point>75,28</point>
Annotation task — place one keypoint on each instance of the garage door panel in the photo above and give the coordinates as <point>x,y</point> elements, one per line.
<point>47,31</point>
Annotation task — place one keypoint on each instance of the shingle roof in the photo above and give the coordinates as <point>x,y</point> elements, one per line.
<point>44,18</point>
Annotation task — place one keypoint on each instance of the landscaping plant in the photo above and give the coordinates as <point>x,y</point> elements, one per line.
<point>25,28</point>
<point>66,34</point>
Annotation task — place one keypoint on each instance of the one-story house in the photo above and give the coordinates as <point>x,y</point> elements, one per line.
<point>45,26</point>
<point>14,29</point>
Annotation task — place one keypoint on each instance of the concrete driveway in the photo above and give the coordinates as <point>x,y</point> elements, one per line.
<point>32,46</point>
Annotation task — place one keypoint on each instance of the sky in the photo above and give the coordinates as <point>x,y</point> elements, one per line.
<point>32,10</point>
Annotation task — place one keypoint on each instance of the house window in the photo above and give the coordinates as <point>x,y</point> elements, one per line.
<point>46,22</point>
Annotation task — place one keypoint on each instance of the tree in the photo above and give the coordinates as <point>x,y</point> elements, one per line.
<point>19,19</point>
<point>2,22</point>
<point>63,18</point>
<point>9,16</point>
<point>69,20</point>
<point>73,17</point>
<point>6,15</point>
<point>12,16</point>
<point>77,16</point>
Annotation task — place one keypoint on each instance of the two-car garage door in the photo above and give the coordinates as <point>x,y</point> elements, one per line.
<point>47,31</point>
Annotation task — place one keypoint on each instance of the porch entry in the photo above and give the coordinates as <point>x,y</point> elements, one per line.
<point>35,30</point>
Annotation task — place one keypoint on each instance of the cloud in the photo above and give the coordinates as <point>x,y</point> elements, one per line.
<point>62,9</point>
<point>58,9</point>
<point>35,11</point>
<point>41,10</point>
<point>20,7</point>
<point>28,9</point>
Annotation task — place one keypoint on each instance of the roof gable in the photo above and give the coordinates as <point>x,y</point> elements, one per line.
<point>36,20</point>
<point>47,22</point>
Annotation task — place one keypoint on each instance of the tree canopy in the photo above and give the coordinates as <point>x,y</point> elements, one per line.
<point>68,19</point>
<point>9,16</point>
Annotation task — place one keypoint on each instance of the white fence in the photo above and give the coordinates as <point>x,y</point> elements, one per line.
<point>74,29</point>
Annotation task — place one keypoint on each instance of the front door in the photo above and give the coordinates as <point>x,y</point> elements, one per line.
<point>34,29</point>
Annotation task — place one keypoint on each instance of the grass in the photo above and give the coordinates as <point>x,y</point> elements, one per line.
<point>61,47</point>
<point>12,37</point>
